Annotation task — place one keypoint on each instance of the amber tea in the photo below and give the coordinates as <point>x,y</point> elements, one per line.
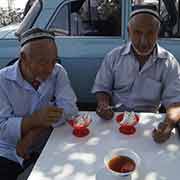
<point>121,164</point>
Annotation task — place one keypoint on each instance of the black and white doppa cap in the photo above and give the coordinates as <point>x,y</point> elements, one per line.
<point>35,34</point>
<point>145,8</point>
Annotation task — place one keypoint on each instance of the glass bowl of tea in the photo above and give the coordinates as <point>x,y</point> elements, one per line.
<point>122,162</point>
<point>80,124</point>
<point>127,122</point>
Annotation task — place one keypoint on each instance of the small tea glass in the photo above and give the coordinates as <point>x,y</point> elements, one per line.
<point>122,152</point>
<point>126,127</point>
<point>80,124</point>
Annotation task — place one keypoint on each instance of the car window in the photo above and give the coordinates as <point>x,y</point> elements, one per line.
<point>169,11</point>
<point>170,18</point>
<point>60,24</point>
<point>30,17</point>
<point>88,18</point>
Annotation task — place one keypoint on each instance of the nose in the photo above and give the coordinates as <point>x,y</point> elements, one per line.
<point>143,41</point>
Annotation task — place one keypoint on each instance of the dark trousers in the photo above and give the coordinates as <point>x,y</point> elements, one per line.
<point>9,170</point>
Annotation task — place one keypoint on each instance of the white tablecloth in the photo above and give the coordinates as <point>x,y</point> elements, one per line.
<point>66,157</point>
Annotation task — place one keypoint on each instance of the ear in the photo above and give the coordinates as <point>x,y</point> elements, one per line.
<point>128,30</point>
<point>22,56</point>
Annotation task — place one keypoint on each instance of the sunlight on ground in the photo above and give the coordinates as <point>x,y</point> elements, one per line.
<point>67,147</point>
<point>155,176</point>
<point>147,133</point>
<point>39,175</point>
<point>62,172</point>
<point>57,172</point>
<point>82,176</point>
<point>93,141</point>
<point>85,157</point>
<point>173,148</point>
<point>151,176</point>
<point>135,175</point>
<point>106,132</point>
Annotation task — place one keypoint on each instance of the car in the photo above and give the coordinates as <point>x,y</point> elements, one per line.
<point>85,31</point>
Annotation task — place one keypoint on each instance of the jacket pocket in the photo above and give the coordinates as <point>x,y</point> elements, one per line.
<point>147,89</point>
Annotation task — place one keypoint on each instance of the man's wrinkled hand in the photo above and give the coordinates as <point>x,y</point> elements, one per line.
<point>24,144</point>
<point>103,111</point>
<point>163,132</point>
<point>47,116</point>
<point>22,148</point>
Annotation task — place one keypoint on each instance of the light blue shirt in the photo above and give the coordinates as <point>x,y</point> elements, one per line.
<point>157,82</point>
<point>19,99</point>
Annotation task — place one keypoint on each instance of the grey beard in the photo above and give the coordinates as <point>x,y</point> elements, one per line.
<point>143,54</point>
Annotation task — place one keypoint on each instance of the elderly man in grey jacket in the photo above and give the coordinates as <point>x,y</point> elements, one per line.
<point>140,75</point>
<point>35,96</point>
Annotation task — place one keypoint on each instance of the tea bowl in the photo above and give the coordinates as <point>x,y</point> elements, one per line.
<point>122,152</point>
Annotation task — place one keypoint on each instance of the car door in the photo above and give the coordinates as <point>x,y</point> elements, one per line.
<point>170,26</point>
<point>84,34</point>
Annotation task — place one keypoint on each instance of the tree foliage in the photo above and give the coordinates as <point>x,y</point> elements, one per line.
<point>10,16</point>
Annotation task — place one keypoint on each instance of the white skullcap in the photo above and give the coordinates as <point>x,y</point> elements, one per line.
<point>146,8</point>
<point>35,34</point>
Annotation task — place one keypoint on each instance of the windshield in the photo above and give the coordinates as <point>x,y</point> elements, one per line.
<point>30,18</point>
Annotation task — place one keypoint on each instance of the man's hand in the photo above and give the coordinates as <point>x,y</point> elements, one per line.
<point>103,101</point>
<point>163,132</point>
<point>22,148</point>
<point>103,111</point>
<point>43,118</point>
<point>24,144</point>
<point>47,116</point>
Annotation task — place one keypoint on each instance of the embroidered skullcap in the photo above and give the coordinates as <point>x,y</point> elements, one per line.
<point>145,8</point>
<point>35,34</point>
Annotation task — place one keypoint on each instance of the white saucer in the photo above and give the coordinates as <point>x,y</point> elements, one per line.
<point>103,174</point>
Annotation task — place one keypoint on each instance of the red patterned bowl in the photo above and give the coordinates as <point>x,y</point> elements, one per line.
<point>127,128</point>
<point>80,125</point>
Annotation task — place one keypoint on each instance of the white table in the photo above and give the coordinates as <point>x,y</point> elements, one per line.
<point>66,157</point>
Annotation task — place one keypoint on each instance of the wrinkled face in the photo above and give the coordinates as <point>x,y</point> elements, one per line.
<point>143,32</point>
<point>39,60</point>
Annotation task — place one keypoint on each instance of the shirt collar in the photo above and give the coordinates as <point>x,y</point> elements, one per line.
<point>161,52</point>
<point>13,73</point>
<point>158,53</point>
<point>127,49</point>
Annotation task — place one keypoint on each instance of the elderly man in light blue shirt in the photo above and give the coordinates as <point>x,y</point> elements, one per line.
<point>35,95</point>
<point>140,75</point>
